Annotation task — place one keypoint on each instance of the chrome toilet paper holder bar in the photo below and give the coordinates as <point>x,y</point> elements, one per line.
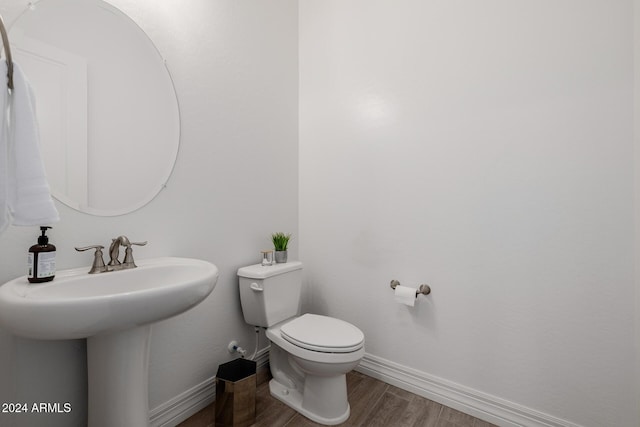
<point>423,289</point>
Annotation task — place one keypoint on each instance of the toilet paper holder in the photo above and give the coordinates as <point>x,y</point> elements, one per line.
<point>423,289</point>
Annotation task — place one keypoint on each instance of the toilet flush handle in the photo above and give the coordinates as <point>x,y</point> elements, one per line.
<point>256,287</point>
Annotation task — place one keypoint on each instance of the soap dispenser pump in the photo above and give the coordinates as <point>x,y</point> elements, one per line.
<point>42,260</point>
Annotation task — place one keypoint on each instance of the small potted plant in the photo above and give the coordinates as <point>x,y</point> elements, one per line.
<point>280,242</point>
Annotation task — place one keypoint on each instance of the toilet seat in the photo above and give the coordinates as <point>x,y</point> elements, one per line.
<point>323,334</point>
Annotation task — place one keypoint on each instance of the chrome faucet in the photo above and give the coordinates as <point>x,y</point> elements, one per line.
<point>114,253</point>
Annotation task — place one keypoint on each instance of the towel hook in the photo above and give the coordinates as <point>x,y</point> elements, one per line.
<point>7,53</point>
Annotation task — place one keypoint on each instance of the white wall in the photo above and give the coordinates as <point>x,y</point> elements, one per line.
<point>235,69</point>
<point>485,148</point>
<point>636,122</point>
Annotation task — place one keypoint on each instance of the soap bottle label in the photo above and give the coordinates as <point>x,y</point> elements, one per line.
<point>30,265</point>
<point>46,264</point>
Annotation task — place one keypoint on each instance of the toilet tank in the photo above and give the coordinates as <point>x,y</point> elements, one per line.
<point>270,294</point>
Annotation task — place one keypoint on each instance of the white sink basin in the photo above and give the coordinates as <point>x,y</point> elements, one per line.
<point>79,305</point>
<point>114,311</point>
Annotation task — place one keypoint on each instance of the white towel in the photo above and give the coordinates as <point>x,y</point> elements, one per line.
<point>5,216</point>
<point>30,201</point>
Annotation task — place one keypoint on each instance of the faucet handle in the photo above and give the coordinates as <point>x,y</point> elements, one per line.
<point>98,262</point>
<point>128,254</point>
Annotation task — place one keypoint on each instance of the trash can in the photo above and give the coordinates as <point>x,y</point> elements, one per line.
<point>236,393</point>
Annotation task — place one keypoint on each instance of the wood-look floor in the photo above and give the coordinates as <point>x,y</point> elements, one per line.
<point>373,403</point>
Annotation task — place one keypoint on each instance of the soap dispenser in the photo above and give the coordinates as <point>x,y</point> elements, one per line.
<point>42,260</point>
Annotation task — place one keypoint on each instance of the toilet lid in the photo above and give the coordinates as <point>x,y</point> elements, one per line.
<point>322,333</point>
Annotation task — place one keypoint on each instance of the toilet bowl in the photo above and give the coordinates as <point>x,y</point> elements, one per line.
<point>309,368</point>
<point>310,354</point>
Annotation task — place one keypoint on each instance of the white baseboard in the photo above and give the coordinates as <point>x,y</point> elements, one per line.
<point>186,404</point>
<point>480,405</point>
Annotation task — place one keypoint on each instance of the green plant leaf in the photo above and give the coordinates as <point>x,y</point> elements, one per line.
<point>280,240</point>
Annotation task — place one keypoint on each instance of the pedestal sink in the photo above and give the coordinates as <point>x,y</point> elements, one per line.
<point>114,311</point>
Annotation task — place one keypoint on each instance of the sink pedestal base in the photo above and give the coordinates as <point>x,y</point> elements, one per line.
<point>118,371</point>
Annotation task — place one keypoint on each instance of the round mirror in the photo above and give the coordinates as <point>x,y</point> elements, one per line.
<point>106,104</point>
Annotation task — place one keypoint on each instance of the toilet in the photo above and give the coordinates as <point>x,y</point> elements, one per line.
<point>310,354</point>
